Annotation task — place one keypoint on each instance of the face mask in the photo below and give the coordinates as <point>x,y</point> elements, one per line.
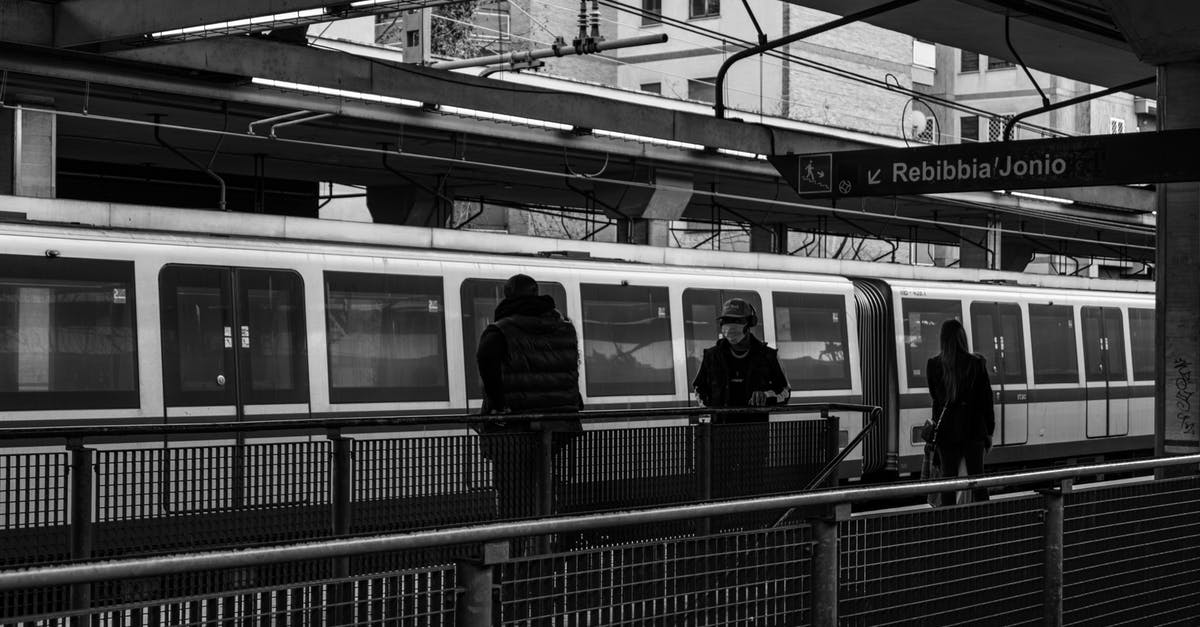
<point>735,332</point>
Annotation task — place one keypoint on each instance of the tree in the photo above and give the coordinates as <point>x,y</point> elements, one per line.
<point>451,36</point>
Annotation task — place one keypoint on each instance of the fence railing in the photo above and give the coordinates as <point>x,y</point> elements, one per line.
<point>278,481</point>
<point>1119,553</point>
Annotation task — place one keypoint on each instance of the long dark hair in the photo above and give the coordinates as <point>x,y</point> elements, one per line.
<point>954,349</point>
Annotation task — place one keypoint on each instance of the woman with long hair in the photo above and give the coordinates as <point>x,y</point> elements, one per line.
<point>962,406</point>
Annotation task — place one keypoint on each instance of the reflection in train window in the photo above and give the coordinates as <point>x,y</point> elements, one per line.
<point>1103,344</point>
<point>1141,343</point>
<point>387,338</point>
<point>1052,336</point>
<point>700,328</point>
<point>810,331</point>
<point>922,327</point>
<point>67,335</point>
<point>479,300</point>
<point>275,364</point>
<point>627,340</point>
<point>1003,344</point>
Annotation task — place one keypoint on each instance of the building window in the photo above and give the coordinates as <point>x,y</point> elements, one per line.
<point>653,88</point>
<point>703,89</point>
<point>996,63</point>
<point>412,38</point>
<point>1116,125</point>
<point>651,12</point>
<point>996,127</point>
<point>968,128</point>
<point>705,8</point>
<point>970,62</point>
<point>924,54</point>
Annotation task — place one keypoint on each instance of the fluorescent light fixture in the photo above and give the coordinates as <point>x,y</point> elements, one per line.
<point>670,143</point>
<point>1061,201</point>
<point>338,93</point>
<point>501,117</point>
<point>284,20</point>
<point>739,153</point>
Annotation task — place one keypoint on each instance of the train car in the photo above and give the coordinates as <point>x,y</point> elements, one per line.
<point>120,314</point>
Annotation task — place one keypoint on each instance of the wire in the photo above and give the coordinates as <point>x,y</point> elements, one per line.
<point>714,195</point>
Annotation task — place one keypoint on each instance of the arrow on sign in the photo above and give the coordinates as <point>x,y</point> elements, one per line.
<point>873,176</point>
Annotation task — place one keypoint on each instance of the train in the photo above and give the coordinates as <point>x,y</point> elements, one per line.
<point>121,314</point>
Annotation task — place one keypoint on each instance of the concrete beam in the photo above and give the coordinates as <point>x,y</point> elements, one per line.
<point>84,22</point>
<point>247,56</point>
<point>1164,31</point>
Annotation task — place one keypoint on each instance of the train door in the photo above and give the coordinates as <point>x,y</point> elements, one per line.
<point>233,342</point>
<point>997,335</point>
<point>1104,367</point>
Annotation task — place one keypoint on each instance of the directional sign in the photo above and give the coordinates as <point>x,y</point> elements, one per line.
<point>1156,157</point>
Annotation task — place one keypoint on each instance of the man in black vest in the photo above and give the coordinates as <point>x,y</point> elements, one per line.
<point>529,363</point>
<point>740,371</point>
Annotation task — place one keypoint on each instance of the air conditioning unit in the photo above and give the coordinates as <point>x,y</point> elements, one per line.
<point>1145,106</point>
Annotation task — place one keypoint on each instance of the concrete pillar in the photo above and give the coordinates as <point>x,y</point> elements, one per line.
<point>409,205</point>
<point>980,248</point>
<point>28,153</point>
<point>1177,341</point>
<point>649,221</point>
<point>769,240</point>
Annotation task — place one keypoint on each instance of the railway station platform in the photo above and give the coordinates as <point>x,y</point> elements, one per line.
<point>376,530</point>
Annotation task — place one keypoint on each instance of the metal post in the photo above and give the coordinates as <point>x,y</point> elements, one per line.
<point>831,444</point>
<point>545,495</point>
<point>825,564</point>
<point>704,470</point>
<point>476,593</point>
<point>1052,591</point>
<point>82,531</point>
<point>340,496</point>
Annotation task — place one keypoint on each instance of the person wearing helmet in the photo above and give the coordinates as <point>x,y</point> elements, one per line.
<point>740,370</point>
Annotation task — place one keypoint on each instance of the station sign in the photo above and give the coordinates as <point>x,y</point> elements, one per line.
<point>1153,157</point>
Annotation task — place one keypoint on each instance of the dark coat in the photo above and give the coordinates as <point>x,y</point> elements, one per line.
<point>529,358</point>
<point>763,373</point>
<point>971,416</point>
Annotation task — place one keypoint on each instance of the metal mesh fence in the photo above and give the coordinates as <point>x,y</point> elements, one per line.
<point>1132,554</point>
<point>757,578</point>
<point>974,564</point>
<point>33,512</point>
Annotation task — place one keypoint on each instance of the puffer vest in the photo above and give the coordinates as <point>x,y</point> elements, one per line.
<point>542,369</point>
<point>758,370</point>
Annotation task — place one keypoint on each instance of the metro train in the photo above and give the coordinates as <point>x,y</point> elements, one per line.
<point>115,314</point>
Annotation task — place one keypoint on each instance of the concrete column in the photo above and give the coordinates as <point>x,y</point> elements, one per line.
<point>980,248</point>
<point>409,205</point>
<point>648,221</point>
<point>1177,341</point>
<point>27,153</point>
<point>769,240</point>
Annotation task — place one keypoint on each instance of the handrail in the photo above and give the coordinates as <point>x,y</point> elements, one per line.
<point>465,420</point>
<point>145,567</point>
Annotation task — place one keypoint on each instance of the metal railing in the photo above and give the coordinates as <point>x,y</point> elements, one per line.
<point>1062,556</point>
<point>261,483</point>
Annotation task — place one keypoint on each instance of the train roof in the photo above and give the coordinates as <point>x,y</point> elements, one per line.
<point>182,225</point>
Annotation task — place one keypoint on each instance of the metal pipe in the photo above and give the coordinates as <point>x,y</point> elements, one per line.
<point>1052,576</point>
<point>525,56</point>
<point>719,105</point>
<point>197,165</point>
<point>215,560</point>
<point>311,118</point>
<point>1008,126</point>
<point>276,118</point>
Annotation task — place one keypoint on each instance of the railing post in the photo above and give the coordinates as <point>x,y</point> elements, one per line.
<point>704,465</point>
<point>825,563</point>
<point>831,444</point>
<point>475,605</point>
<point>82,530</point>
<point>341,481</point>
<point>1052,577</point>
<point>545,497</point>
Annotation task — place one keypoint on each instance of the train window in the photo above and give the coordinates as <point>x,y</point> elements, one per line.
<point>387,338</point>
<point>922,325</point>
<point>479,300</point>
<point>1141,343</point>
<point>997,335</point>
<point>1103,344</point>
<point>700,328</point>
<point>67,337</point>
<point>1052,336</point>
<point>627,340</point>
<point>274,358</point>
<point>810,333</point>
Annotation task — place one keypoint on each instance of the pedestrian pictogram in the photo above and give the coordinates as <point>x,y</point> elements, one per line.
<point>815,173</point>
